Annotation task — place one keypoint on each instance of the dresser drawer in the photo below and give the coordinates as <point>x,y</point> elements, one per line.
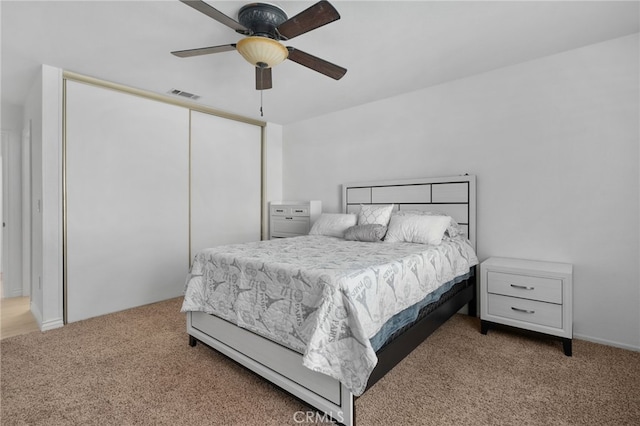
<point>289,225</point>
<point>280,210</point>
<point>525,286</point>
<point>299,211</point>
<point>289,211</point>
<point>529,311</point>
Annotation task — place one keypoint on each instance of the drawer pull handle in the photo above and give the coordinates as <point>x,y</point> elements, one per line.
<point>299,211</point>
<point>289,218</point>
<point>524,311</point>
<point>522,287</point>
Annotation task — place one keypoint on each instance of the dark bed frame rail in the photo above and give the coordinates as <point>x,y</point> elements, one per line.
<point>390,355</point>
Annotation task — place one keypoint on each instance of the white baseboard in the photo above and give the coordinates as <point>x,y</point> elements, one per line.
<point>15,292</point>
<point>51,324</point>
<point>607,342</point>
<point>45,325</point>
<point>36,313</point>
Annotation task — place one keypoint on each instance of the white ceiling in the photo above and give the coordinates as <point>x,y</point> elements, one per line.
<point>388,47</point>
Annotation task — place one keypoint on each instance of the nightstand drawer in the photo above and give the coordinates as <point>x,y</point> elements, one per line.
<point>289,225</point>
<point>529,311</point>
<point>525,286</point>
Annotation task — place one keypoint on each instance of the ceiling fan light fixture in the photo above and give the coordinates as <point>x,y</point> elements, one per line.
<point>265,26</point>
<point>262,52</point>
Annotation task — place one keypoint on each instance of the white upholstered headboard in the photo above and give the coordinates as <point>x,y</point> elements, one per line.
<point>454,196</point>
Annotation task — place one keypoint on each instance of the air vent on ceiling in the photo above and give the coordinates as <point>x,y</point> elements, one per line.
<point>184,94</point>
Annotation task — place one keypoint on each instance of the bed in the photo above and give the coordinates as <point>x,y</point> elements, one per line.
<point>324,317</point>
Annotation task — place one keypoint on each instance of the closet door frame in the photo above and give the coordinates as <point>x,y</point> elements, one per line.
<point>70,76</point>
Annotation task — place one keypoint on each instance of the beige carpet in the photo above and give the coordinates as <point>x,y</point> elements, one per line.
<point>136,368</point>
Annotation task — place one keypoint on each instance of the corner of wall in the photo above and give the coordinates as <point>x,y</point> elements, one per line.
<point>32,113</point>
<point>43,108</point>
<point>52,256</point>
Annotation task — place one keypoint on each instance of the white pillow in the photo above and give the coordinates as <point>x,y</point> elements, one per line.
<point>333,224</point>
<point>374,215</point>
<point>422,229</point>
<point>453,230</point>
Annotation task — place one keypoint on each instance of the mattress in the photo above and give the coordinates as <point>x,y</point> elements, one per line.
<point>406,318</point>
<point>323,297</point>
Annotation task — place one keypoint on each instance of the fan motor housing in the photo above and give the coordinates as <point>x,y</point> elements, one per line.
<point>262,19</point>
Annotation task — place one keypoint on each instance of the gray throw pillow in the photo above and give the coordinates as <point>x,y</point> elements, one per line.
<point>370,233</point>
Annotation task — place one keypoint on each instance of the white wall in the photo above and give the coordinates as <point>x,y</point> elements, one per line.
<point>554,144</point>
<point>26,207</point>
<point>12,205</point>
<point>33,114</point>
<point>51,197</point>
<point>43,108</point>
<point>272,172</point>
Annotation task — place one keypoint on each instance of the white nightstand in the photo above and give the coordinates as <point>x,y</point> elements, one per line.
<point>292,218</point>
<point>528,294</point>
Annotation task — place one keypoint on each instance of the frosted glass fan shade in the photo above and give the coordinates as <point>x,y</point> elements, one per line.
<point>261,51</point>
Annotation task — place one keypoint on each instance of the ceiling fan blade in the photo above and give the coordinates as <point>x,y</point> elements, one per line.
<point>314,17</point>
<point>263,78</point>
<point>214,13</point>
<point>320,65</point>
<point>204,50</point>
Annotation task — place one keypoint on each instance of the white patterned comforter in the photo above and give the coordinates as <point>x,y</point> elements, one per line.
<point>322,296</point>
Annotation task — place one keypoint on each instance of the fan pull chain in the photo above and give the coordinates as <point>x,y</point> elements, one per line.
<point>261,89</point>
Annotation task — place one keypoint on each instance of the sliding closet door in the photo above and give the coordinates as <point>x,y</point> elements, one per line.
<point>225,181</point>
<point>127,187</point>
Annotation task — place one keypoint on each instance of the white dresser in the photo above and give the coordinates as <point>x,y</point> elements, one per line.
<point>292,218</point>
<point>527,294</point>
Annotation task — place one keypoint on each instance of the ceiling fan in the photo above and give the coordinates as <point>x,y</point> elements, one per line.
<point>265,25</point>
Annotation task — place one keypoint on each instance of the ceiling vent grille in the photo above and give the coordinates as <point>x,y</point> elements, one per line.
<point>184,94</point>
